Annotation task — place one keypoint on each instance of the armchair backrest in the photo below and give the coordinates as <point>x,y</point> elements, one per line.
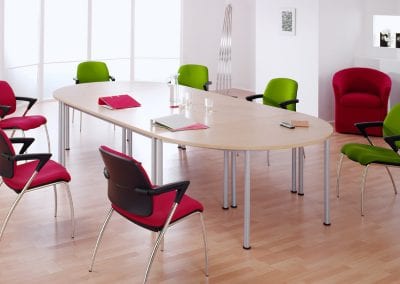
<point>7,166</point>
<point>124,174</point>
<point>361,79</point>
<point>279,90</point>
<point>7,96</point>
<point>193,75</point>
<point>92,71</point>
<point>391,125</point>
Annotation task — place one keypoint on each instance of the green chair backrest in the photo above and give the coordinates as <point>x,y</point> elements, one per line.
<point>193,75</point>
<point>279,90</point>
<point>391,124</point>
<point>92,71</point>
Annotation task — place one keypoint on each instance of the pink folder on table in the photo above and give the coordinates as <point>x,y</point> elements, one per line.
<point>118,102</point>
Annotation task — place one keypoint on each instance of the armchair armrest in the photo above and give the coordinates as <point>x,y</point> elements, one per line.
<point>42,157</point>
<point>391,140</point>
<point>288,102</point>
<point>112,78</point>
<point>253,97</point>
<point>26,141</point>
<point>207,86</point>
<point>4,110</point>
<point>31,102</point>
<point>180,187</point>
<point>362,126</point>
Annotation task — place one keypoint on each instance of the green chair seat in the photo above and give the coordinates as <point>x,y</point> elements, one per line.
<point>367,154</point>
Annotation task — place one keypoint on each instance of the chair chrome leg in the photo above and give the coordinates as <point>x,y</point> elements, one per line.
<point>391,178</point>
<point>13,133</point>
<point>364,178</point>
<point>157,244</point>
<point>55,200</point>
<point>48,138</point>
<point>268,158</point>
<point>203,227</point>
<point>71,206</point>
<point>99,238</point>
<point>10,212</point>
<point>338,170</point>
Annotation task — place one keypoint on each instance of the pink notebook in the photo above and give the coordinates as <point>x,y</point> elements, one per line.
<point>118,102</point>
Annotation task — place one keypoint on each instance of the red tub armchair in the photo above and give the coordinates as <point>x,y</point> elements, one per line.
<point>361,95</point>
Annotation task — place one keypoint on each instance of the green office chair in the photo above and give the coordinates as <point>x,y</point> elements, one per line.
<point>280,92</point>
<point>195,76</point>
<point>369,154</point>
<point>89,72</point>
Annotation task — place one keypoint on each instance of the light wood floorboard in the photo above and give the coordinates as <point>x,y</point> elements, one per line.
<point>289,242</point>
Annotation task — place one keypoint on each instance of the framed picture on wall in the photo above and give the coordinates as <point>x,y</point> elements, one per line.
<point>288,21</point>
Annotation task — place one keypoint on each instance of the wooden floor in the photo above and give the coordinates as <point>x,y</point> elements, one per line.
<point>289,242</point>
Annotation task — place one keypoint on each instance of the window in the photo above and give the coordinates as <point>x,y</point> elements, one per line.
<point>46,40</point>
<point>157,39</point>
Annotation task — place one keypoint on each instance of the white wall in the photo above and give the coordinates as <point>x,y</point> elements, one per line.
<point>340,23</point>
<point>1,40</point>
<point>296,56</point>
<point>201,34</point>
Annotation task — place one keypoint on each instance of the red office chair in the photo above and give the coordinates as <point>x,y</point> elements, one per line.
<point>25,122</point>
<point>37,172</point>
<point>133,196</point>
<point>361,95</point>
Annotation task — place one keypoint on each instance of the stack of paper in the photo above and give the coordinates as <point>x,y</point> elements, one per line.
<point>178,122</point>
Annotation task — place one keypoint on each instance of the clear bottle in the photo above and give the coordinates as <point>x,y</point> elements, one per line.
<point>174,92</point>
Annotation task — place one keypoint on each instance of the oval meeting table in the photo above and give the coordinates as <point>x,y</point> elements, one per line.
<point>234,125</point>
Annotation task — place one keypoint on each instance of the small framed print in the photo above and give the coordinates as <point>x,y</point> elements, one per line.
<point>288,21</point>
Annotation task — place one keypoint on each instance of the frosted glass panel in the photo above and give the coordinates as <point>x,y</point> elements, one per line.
<point>65,30</point>
<point>119,69</point>
<point>21,32</point>
<point>156,70</point>
<point>56,76</point>
<point>23,80</point>
<point>111,29</point>
<point>157,28</point>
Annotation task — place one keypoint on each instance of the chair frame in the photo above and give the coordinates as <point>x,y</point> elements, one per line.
<point>391,140</point>
<point>43,158</point>
<point>180,188</point>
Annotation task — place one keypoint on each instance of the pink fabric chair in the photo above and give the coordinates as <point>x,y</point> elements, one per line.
<point>361,95</point>
<point>155,208</point>
<point>8,103</point>
<point>37,172</point>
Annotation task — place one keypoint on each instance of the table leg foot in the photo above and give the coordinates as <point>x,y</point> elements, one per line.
<point>327,224</point>
<point>246,248</point>
<point>233,206</point>
<point>225,208</point>
<point>301,194</point>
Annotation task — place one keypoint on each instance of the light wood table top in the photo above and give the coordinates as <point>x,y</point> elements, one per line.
<point>234,124</point>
